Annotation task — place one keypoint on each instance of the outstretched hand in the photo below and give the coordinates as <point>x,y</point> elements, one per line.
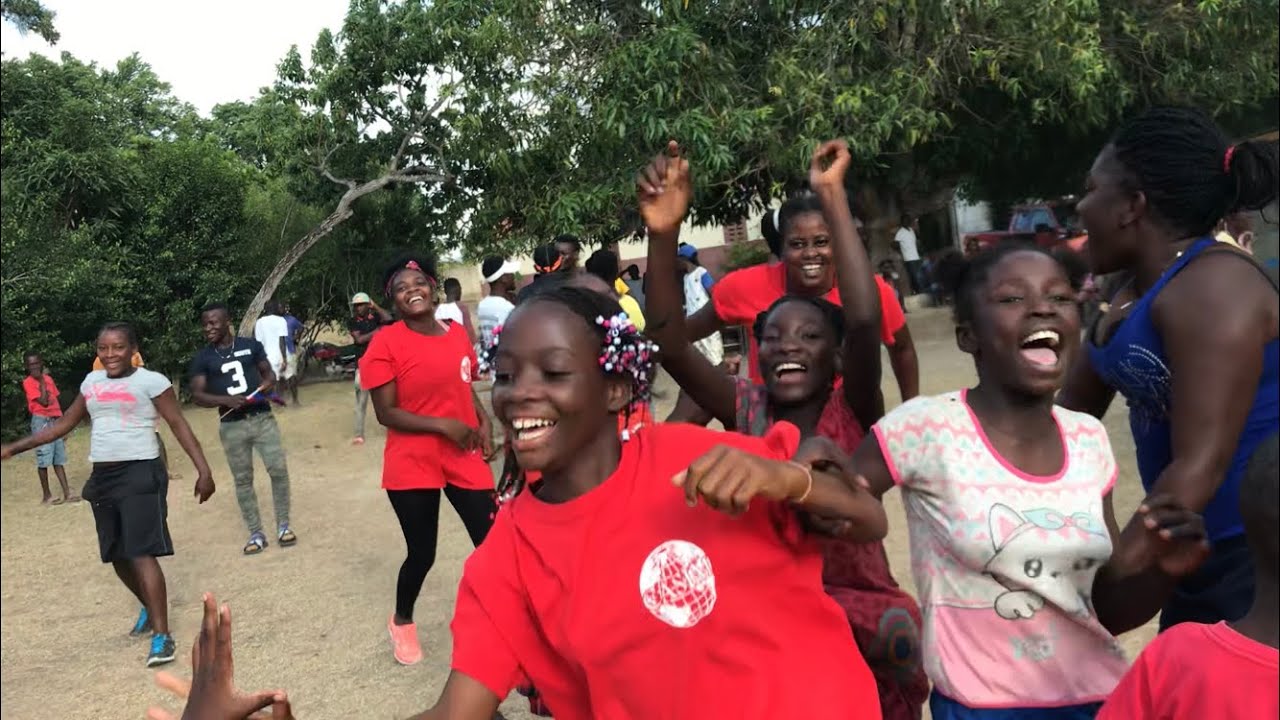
<point>664,190</point>
<point>211,694</point>
<point>829,164</point>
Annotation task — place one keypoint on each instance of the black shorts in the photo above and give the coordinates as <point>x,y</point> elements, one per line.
<point>130,509</point>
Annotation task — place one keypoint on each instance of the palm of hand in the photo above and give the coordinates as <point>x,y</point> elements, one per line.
<point>666,210</point>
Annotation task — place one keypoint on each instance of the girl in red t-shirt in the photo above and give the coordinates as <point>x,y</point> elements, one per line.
<point>419,372</point>
<point>805,344</point>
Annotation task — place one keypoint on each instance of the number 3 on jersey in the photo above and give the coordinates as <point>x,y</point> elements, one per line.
<point>238,383</point>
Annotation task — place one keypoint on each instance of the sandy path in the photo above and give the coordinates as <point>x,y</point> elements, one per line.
<point>310,618</point>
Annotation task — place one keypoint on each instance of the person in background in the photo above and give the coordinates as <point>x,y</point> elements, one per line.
<point>234,375</point>
<point>631,278</point>
<point>42,403</point>
<point>500,274</point>
<point>570,248</point>
<point>889,274</point>
<point>137,362</point>
<point>604,265</point>
<point>805,268</point>
<point>292,343</point>
<point>366,319</point>
<point>128,487</point>
<point>697,293</point>
<point>1224,670</point>
<point>420,372</point>
<point>453,309</point>
<point>908,245</point>
<point>273,332</point>
<point>1192,337</point>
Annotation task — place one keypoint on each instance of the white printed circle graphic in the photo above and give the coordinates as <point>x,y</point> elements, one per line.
<point>677,584</point>
<point>465,369</point>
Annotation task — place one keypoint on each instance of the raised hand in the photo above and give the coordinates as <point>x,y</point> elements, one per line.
<point>829,164</point>
<point>664,190</point>
<point>211,694</point>
<point>727,479</point>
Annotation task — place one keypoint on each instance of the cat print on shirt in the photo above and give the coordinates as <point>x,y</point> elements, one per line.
<point>1037,558</point>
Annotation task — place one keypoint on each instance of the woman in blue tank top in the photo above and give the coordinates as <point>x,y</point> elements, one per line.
<point>1190,339</point>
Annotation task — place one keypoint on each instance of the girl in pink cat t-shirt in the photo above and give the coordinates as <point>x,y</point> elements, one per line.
<point>1024,577</point>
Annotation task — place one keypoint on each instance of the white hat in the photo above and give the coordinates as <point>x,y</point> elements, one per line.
<point>360,299</point>
<point>507,267</point>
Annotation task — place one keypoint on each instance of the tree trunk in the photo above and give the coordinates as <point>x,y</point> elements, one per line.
<point>300,248</point>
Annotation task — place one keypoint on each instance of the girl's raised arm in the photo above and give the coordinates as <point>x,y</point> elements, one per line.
<point>664,191</point>
<point>60,428</point>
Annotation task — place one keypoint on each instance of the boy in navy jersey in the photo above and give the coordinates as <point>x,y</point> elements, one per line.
<point>234,375</point>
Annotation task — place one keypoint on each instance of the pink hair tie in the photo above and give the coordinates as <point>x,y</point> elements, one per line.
<point>1226,159</point>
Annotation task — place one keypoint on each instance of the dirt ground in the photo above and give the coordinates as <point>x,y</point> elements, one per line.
<point>310,619</point>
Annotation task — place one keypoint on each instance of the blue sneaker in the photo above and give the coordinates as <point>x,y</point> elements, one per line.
<point>143,626</point>
<point>163,650</point>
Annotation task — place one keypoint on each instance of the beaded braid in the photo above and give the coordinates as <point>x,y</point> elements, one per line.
<point>624,352</point>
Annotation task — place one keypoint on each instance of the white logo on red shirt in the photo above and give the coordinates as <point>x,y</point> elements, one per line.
<point>677,584</point>
<point>464,369</point>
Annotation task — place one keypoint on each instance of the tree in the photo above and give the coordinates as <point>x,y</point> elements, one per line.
<point>371,111</point>
<point>30,16</point>
<point>1003,96</point>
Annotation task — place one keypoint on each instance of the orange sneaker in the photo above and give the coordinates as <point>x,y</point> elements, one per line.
<point>404,642</point>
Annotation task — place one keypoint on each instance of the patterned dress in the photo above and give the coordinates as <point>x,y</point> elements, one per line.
<point>885,620</point>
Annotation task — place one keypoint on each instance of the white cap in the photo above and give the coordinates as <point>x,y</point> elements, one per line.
<point>361,299</point>
<point>507,267</point>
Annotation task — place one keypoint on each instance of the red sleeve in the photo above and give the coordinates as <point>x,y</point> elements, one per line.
<point>377,367</point>
<point>1135,696</point>
<point>733,297</point>
<point>892,318</point>
<point>481,651</point>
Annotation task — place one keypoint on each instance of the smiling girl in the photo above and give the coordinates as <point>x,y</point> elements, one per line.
<point>804,345</point>
<point>1023,573</point>
<point>128,487</point>
<point>419,372</point>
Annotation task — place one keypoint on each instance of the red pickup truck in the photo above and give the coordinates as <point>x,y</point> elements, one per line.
<point>1048,224</point>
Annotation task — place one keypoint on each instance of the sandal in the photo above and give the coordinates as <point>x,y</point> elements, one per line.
<point>286,537</point>
<point>257,543</point>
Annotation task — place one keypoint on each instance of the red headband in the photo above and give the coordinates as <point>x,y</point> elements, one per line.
<point>411,265</point>
<point>1226,159</point>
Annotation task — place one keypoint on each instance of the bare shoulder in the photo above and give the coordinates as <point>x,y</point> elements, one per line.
<point>1222,284</point>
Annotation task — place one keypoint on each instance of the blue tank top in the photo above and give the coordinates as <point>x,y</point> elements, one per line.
<point>1134,363</point>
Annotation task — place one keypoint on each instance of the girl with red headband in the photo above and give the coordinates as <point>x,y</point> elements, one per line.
<point>419,372</point>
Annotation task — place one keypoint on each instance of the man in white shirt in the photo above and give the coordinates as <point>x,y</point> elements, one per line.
<point>272,330</point>
<point>907,245</point>
<point>493,310</point>
<point>697,293</point>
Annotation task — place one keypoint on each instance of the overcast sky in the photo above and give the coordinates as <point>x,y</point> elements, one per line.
<point>210,52</point>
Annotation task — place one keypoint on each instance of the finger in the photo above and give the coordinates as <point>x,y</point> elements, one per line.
<point>644,184</point>
<point>281,709</point>
<point>1183,532</point>
<point>155,713</point>
<point>223,649</point>
<point>673,149</point>
<point>208,634</point>
<point>1157,501</point>
<point>1165,517</point>
<point>169,682</point>
<point>247,705</point>
<point>656,174</point>
<point>720,479</point>
<point>740,497</point>
<point>693,475</point>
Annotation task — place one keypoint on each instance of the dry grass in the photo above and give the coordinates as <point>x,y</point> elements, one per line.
<point>310,618</point>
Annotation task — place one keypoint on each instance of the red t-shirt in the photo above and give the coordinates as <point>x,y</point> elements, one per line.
<point>1205,672</point>
<point>627,603</point>
<point>433,378</point>
<point>743,294</point>
<point>32,388</point>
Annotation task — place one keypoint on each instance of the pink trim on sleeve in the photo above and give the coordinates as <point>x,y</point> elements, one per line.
<point>883,441</point>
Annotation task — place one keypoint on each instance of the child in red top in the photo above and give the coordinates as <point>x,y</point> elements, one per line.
<point>1223,671</point>
<point>665,578</point>
<point>803,341</point>
<point>419,372</point>
<point>42,403</point>
<point>807,268</point>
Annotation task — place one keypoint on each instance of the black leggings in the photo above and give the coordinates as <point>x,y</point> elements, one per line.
<point>419,515</point>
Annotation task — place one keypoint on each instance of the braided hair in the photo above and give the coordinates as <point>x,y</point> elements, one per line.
<point>624,353</point>
<point>1190,173</point>
<point>833,316</point>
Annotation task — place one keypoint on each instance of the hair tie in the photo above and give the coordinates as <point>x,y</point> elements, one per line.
<point>552,267</point>
<point>411,265</point>
<point>1226,159</point>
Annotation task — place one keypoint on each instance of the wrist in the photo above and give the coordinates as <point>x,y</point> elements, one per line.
<point>799,482</point>
<point>830,191</point>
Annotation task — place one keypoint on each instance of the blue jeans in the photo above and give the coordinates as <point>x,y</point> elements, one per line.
<point>53,454</point>
<point>944,708</point>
